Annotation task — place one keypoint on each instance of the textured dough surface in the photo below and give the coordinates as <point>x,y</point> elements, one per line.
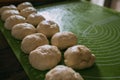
<point>31,42</point>
<point>79,57</point>
<point>27,11</point>
<point>13,20</point>
<point>62,72</point>
<point>8,13</point>
<point>9,7</point>
<point>19,31</point>
<point>47,27</point>
<point>64,40</point>
<point>45,57</point>
<point>24,5</point>
<point>35,19</point>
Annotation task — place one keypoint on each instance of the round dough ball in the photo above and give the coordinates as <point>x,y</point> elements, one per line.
<point>32,41</point>
<point>13,20</point>
<point>24,5</point>
<point>79,57</point>
<point>19,31</point>
<point>8,13</point>
<point>45,57</point>
<point>62,72</point>
<point>49,28</point>
<point>64,40</point>
<point>10,7</point>
<point>35,19</point>
<point>27,11</point>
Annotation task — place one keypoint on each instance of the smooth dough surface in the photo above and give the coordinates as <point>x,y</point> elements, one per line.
<point>79,57</point>
<point>47,27</point>
<point>19,31</point>
<point>45,57</point>
<point>32,41</point>
<point>35,19</point>
<point>64,40</point>
<point>27,11</point>
<point>13,20</point>
<point>8,13</point>
<point>24,5</point>
<point>62,72</point>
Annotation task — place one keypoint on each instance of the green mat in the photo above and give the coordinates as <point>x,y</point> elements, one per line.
<point>96,27</point>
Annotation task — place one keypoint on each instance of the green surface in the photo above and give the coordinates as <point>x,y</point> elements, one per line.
<point>96,27</point>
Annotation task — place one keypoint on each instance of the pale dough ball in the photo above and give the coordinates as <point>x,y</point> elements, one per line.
<point>47,27</point>
<point>24,5</point>
<point>64,40</point>
<point>8,13</point>
<point>62,72</point>
<point>13,20</point>
<point>35,19</point>
<point>45,57</point>
<point>79,57</point>
<point>30,42</point>
<point>27,11</point>
<point>19,31</point>
<point>9,7</point>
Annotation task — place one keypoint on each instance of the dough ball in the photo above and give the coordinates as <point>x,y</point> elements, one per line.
<point>19,31</point>
<point>10,7</point>
<point>8,13</point>
<point>64,40</point>
<point>45,57</point>
<point>24,5</point>
<point>27,11</point>
<point>13,20</point>
<point>49,28</point>
<point>30,42</point>
<point>35,19</point>
<point>62,72</point>
<point>79,57</point>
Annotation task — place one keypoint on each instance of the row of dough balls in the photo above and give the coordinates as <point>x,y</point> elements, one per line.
<point>46,27</point>
<point>34,19</point>
<point>48,56</point>
<point>24,25</point>
<point>23,9</point>
<point>24,12</point>
<point>43,56</point>
<point>62,40</point>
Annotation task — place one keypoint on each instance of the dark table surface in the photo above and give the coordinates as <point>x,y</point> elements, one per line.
<point>10,68</point>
